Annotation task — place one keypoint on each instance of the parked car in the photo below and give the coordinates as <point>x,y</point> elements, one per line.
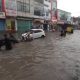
<point>34,33</point>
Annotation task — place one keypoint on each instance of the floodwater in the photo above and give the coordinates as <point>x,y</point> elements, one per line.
<point>51,58</point>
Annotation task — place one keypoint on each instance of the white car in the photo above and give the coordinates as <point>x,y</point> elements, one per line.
<point>34,33</point>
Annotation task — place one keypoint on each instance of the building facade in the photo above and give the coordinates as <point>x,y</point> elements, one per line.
<point>64,16</point>
<point>2,17</point>
<point>10,8</point>
<point>54,11</point>
<point>76,22</point>
<point>24,15</point>
<point>47,10</point>
<point>20,15</point>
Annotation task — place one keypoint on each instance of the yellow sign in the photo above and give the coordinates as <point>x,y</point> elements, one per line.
<point>8,23</point>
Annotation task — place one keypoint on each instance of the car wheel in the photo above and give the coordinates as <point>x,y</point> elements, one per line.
<point>42,36</point>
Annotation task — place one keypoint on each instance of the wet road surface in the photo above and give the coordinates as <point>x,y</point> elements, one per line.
<point>52,58</point>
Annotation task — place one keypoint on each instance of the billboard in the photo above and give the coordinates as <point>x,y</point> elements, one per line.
<point>10,7</point>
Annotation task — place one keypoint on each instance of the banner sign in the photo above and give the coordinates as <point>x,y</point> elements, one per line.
<point>10,7</point>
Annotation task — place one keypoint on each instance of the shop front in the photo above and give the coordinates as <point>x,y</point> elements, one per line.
<point>10,24</point>
<point>37,23</point>
<point>2,21</point>
<point>24,24</point>
<point>11,13</point>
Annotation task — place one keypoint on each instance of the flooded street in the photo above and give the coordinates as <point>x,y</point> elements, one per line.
<point>51,58</point>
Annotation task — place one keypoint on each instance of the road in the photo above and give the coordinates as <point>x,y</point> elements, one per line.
<point>51,58</point>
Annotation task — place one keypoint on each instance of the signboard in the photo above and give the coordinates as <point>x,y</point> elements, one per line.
<point>54,10</point>
<point>10,7</point>
<point>2,14</point>
<point>10,23</point>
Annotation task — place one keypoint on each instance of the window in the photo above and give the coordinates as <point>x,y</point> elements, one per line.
<point>47,0</point>
<point>19,6</point>
<point>40,1</point>
<point>37,31</point>
<point>23,7</point>
<point>47,13</point>
<point>38,11</point>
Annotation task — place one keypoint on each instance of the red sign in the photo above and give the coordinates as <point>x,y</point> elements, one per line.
<point>53,10</point>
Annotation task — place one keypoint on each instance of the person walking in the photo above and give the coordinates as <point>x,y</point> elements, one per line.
<point>7,42</point>
<point>63,30</point>
<point>13,39</point>
<point>1,43</point>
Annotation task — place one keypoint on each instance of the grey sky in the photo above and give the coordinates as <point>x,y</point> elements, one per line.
<point>72,6</point>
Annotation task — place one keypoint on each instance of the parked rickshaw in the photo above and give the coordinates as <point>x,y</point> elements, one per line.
<point>69,28</point>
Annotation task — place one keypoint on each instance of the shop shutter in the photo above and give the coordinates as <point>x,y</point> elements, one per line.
<point>24,25</point>
<point>2,25</point>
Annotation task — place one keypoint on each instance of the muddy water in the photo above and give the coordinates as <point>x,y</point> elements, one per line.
<point>52,58</point>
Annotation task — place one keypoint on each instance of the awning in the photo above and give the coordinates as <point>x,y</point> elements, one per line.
<point>38,21</point>
<point>54,21</point>
<point>60,22</point>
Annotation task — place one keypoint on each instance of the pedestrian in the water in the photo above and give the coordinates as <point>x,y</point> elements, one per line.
<point>13,39</point>
<point>1,43</point>
<point>63,30</point>
<point>7,42</point>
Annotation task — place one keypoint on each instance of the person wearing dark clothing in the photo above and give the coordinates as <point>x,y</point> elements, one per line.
<point>7,42</point>
<point>45,26</point>
<point>13,39</point>
<point>1,43</point>
<point>63,30</point>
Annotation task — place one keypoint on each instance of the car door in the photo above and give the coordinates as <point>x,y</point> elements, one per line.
<point>39,33</point>
<point>36,34</point>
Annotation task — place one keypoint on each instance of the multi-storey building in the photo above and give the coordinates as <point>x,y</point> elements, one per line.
<point>8,13</point>
<point>38,12</point>
<point>47,10</point>
<point>20,15</point>
<point>76,22</point>
<point>24,14</point>
<point>38,8</point>
<point>64,16</point>
<point>10,8</point>
<point>54,11</point>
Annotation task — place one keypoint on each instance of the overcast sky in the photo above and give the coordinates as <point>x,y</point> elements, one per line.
<point>72,6</point>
